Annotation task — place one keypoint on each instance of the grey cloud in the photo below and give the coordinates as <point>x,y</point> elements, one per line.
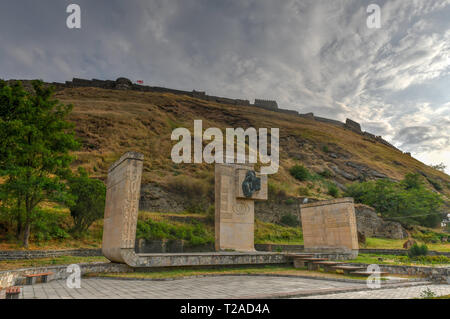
<point>313,56</point>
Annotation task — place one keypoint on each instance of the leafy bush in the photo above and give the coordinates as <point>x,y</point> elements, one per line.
<point>437,186</point>
<point>326,173</point>
<point>428,236</point>
<point>300,172</point>
<point>289,201</point>
<point>409,200</point>
<point>333,190</point>
<point>427,294</point>
<point>303,191</point>
<point>325,149</point>
<point>49,226</point>
<point>89,204</point>
<point>417,250</point>
<point>289,220</point>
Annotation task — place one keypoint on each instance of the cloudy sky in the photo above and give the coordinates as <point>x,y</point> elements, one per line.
<point>311,56</point>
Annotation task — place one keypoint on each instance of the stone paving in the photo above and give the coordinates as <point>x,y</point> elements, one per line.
<point>394,293</point>
<point>221,287</point>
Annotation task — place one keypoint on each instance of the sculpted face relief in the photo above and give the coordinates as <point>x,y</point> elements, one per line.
<point>235,139</point>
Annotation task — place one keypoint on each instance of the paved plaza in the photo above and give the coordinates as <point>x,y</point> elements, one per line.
<point>219,287</point>
<point>393,293</point>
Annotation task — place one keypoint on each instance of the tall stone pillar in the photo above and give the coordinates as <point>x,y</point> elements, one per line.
<point>121,209</point>
<point>237,187</point>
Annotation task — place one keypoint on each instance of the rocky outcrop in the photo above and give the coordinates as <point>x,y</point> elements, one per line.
<point>370,225</point>
<point>155,199</point>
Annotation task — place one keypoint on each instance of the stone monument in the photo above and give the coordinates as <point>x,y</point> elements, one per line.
<point>237,186</point>
<point>330,227</point>
<point>121,210</point>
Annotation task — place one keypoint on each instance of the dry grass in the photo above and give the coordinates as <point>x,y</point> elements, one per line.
<point>266,270</point>
<point>112,122</point>
<point>41,262</point>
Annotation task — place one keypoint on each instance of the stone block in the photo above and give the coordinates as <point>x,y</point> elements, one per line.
<point>330,226</point>
<point>235,212</point>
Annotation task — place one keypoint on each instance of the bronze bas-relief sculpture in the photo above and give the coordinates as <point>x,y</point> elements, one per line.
<point>251,184</point>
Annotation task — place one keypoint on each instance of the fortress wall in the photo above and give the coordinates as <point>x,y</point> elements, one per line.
<point>324,120</point>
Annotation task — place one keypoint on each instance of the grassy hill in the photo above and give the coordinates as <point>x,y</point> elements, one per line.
<point>111,122</point>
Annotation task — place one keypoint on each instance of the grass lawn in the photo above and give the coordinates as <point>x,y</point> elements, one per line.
<point>400,260</point>
<point>62,260</point>
<point>383,243</point>
<point>442,297</point>
<point>267,270</point>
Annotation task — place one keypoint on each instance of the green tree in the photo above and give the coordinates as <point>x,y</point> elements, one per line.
<point>412,181</point>
<point>408,201</point>
<point>35,140</point>
<point>89,203</point>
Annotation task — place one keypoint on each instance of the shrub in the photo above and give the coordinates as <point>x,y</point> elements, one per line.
<point>428,236</point>
<point>427,294</point>
<point>409,200</point>
<point>299,172</point>
<point>417,250</point>
<point>326,173</point>
<point>49,226</point>
<point>303,191</point>
<point>333,190</point>
<point>211,213</point>
<point>289,220</point>
<point>289,201</point>
<point>437,186</point>
<point>89,204</point>
<point>325,149</point>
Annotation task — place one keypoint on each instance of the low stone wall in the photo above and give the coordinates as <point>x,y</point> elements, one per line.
<point>15,277</point>
<point>300,248</point>
<point>399,252</point>
<point>209,259</point>
<point>435,274</point>
<point>334,255</point>
<point>279,248</point>
<point>34,254</point>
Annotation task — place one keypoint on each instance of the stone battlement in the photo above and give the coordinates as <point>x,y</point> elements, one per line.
<point>271,105</point>
<point>266,104</point>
